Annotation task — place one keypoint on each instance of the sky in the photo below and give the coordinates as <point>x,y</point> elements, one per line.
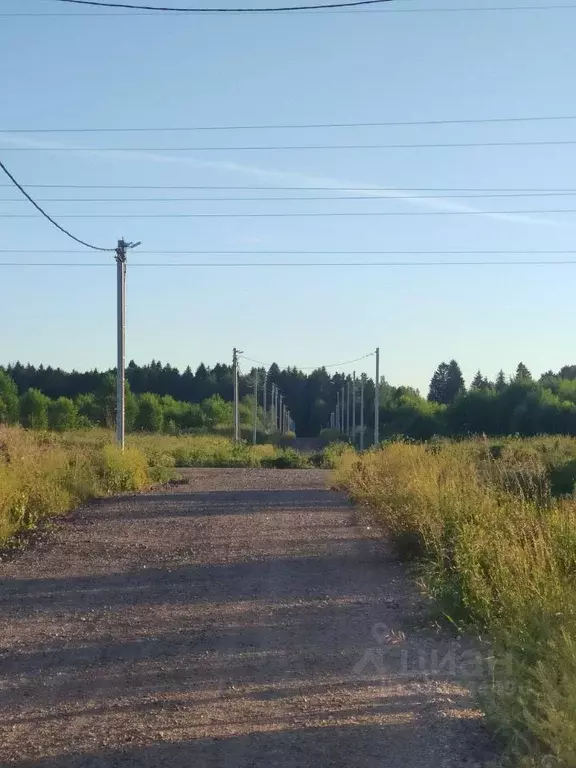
<point>64,67</point>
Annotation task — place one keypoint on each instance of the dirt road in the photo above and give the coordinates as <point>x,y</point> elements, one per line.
<point>246,619</point>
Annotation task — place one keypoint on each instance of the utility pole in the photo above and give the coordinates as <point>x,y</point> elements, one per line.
<point>362,382</point>
<point>123,246</point>
<point>235,354</point>
<point>342,424</point>
<point>276,396</point>
<point>281,414</point>
<point>354,408</point>
<point>348,422</point>
<point>337,419</point>
<point>377,399</point>
<point>265,414</point>
<point>255,416</point>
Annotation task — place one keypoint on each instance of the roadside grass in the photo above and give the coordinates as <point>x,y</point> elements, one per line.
<point>493,528</point>
<point>43,475</point>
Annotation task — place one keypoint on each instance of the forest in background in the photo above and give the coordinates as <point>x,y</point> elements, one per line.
<point>162,398</point>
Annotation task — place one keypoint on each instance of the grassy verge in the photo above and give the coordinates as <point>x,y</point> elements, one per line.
<point>215,451</point>
<point>494,530</point>
<point>43,475</point>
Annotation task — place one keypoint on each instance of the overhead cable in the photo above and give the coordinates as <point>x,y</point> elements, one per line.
<point>312,367</point>
<point>273,9</point>
<point>290,264</point>
<point>292,148</point>
<point>521,252</point>
<point>295,126</point>
<point>46,216</point>
<point>298,198</point>
<point>294,189</point>
<point>315,214</point>
<point>386,11</point>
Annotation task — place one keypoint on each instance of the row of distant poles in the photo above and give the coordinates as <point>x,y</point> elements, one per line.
<point>350,396</point>
<point>276,413</point>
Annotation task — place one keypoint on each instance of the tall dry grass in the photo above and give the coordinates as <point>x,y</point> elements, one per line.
<point>497,549</point>
<point>43,475</point>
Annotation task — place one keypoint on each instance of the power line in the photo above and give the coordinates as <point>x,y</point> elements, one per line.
<point>299,198</point>
<point>284,147</point>
<point>294,189</point>
<point>387,11</point>
<point>98,4</point>
<point>312,367</point>
<point>289,264</point>
<point>46,216</point>
<point>315,214</point>
<point>295,126</point>
<point>523,252</point>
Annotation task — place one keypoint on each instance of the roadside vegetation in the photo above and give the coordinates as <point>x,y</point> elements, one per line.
<point>44,474</point>
<point>492,527</point>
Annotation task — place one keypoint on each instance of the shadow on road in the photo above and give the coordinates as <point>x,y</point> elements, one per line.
<point>252,662</point>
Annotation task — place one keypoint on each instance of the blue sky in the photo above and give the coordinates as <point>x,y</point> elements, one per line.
<point>87,70</point>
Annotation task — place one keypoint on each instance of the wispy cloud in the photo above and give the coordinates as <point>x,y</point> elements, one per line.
<point>294,177</point>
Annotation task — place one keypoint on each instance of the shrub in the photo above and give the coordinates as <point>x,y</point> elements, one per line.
<point>150,416</point>
<point>122,470</point>
<point>62,414</point>
<point>286,459</point>
<point>9,401</point>
<point>34,409</point>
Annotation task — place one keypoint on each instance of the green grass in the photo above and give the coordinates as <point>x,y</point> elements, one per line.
<point>493,527</point>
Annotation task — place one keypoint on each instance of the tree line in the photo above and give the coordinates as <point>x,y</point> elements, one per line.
<point>182,395</point>
<point>162,398</point>
<point>517,404</point>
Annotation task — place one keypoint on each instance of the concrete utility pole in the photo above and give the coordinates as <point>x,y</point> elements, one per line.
<point>235,354</point>
<point>362,382</point>
<point>337,421</point>
<point>265,414</point>
<point>276,407</point>
<point>342,422</point>
<point>123,246</point>
<point>348,420</point>
<point>354,408</point>
<point>255,417</point>
<point>281,413</point>
<point>377,399</point>
<point>121,341</point>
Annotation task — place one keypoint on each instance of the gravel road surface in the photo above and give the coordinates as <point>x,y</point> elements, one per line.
<point>246,618</point>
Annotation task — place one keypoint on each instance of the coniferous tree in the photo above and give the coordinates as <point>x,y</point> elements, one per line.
<point>438,384</point>
<point>500,383</point>
<point>479,381</point>
<point>522,373</point>
<point>454,383</point>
